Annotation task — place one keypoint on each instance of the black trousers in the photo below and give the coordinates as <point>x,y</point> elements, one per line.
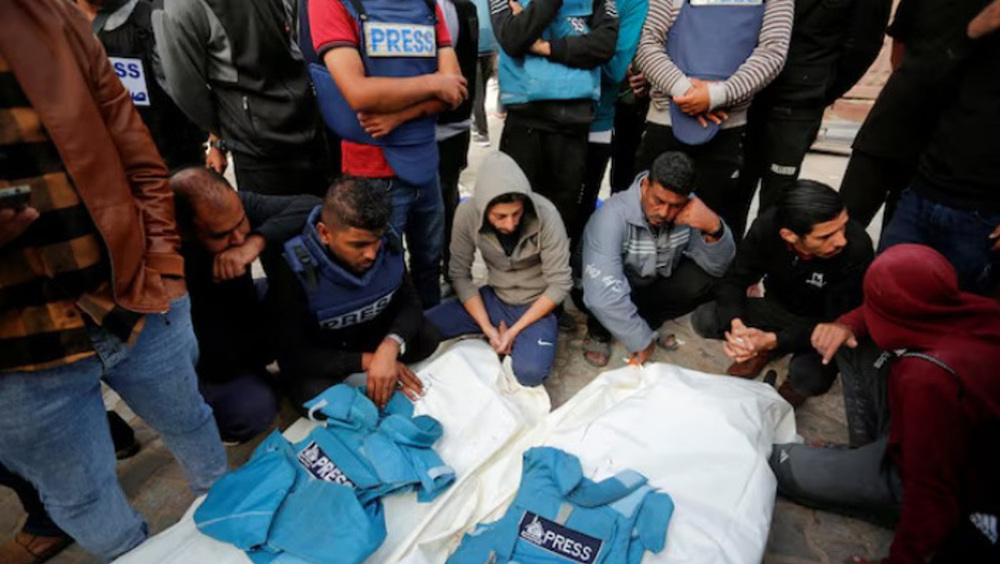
<point>630,120</point>
<point>870,181</point>
<point>484,70</point>
<point>806,373</point>
<point>662,298</point>
<point>453,154</point>
<point>598,155</point>
<point>717,167</point>
<point>308,172</point>
<point>777,140</point>
<point>555,164</point>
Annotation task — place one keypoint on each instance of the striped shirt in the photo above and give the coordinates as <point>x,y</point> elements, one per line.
<point>54,276</point>
<point>735,93</point>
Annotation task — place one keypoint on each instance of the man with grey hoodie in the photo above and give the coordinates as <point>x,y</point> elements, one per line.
<point>524,245</point>
<point>651,253</point>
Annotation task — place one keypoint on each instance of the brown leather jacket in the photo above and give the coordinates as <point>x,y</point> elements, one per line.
<point>104,145</point>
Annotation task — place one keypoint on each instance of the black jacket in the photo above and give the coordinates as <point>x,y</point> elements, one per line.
<point>516,34</point>
<point>467,51</point>
<point>180,142</point>
<point>228,317</point>
<point>833,43</point>
<point>818,289</point>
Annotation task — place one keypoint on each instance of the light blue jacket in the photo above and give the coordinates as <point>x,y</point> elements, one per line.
<point>619,247</point>
<point>487,41</point>
<point>631,15</point>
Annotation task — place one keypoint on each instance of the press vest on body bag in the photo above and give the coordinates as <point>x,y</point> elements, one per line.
<point>318,500</point>
<point>560,516</point>
<point>336,297</point>
<point>397,39</point>
<point>710,40</point>
<point>533,77</point>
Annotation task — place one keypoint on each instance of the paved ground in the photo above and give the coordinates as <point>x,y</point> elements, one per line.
<point>156,486</point>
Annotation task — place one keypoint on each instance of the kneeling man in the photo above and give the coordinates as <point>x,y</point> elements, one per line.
<point>526,251</point>
<point>812,259</point>
<point>343,302</point>
<point>650,254</point>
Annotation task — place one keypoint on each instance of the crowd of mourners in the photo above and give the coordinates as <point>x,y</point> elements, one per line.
<point>126,255</point>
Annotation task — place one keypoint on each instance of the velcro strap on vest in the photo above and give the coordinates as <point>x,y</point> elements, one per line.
<point>607,491</point>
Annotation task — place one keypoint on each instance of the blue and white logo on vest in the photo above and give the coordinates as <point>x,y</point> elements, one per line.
<point>317,463</point>
<point>559,540</point>
<point>399,40</point>
<point>133,77</point>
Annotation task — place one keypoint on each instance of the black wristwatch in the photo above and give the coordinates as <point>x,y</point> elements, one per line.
<point>219,144</point>
<point>718,233</point>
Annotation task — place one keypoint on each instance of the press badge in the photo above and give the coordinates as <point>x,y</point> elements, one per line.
<point>558,539</point>
<point>133,77</point>
<point>399,40</point>
<point>726,2</point>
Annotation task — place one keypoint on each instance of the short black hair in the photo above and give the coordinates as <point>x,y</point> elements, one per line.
<point>197,188</point>
<point>354,201</point>
<point>674,171</point>
<point>507,198</point>
<point>807,203</point>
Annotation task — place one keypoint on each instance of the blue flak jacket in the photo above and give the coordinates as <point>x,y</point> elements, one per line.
<point>319,500</point>
<point>398,39</point>
<point>560,516</point>
<point>532,78</point>
<point>710,40</point>
<point>337,297</point>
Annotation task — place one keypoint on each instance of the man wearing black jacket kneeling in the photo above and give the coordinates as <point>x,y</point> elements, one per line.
<point>343,302</point>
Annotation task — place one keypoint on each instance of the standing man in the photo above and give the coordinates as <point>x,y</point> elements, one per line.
<point>125,28</point>
<point>382,100</point>
<point>550,57</point>
<point>233,67</point>
<point>524,244</point>
<point>832,46</point>
<point>484,70</point>
<point>222,233</point>
<point>650,254</point>
<point>93,285</point>
<point>342,301</point>
<point>705,60</point>
<point>812,259</point>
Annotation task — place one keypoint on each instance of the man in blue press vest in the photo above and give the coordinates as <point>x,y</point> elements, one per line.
<point>389,69</point>
<point>550,80</point>
<point>342,301</point>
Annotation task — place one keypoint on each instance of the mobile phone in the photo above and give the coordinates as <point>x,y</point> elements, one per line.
<point>15,197</point>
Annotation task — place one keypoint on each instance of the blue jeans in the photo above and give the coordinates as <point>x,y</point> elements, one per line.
<point>534,348</point>
<point>418,212</point>
<point>962,236</point>
<point>54,433</point>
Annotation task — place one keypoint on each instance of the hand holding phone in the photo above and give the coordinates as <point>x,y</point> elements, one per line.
<point>15,214</point>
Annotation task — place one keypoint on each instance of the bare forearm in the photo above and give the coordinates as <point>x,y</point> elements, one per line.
<point>380,95</point>
<point>542,307</point>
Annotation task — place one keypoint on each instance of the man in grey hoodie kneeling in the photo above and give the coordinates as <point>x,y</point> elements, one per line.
<point>651,253</point>
<point>524,244</point>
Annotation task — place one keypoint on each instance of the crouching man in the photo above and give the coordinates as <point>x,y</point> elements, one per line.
<point>524,244</point>
<point>342,300</point>
<point>650,254</point>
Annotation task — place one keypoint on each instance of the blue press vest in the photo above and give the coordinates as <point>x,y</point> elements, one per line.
<point>559,516</point>
<point>397,40</point>
<point>534,78</point>
<point>710,42</point>
<point>337,297</point>
<point>318,500</point>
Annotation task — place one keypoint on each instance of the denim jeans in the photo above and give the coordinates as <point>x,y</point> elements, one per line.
<point>418,212</point>
<point>534,349</point>
<point>962,236</point>
<point>54,433</point>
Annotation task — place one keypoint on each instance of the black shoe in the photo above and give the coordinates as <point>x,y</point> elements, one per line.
<point>123,437</point>
<point>565,320</point>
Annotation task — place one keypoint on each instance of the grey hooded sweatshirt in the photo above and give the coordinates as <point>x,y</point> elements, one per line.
<point>539,263</point>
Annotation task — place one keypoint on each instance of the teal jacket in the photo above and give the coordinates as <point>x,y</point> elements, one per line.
<point>631,15</point>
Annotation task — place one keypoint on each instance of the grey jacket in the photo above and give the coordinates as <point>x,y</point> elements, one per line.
<point>539,264</point>
<point>619,247</point>
<point>234,68</point>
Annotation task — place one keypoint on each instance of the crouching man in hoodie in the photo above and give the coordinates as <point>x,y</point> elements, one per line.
<point>523,242</point>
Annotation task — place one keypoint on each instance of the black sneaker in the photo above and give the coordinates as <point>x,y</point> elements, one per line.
<point>123,436</point>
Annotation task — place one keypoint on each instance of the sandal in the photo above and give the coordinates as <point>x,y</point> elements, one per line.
<point>596,353</point>
<point>26,548</point>
<point>668,342</point>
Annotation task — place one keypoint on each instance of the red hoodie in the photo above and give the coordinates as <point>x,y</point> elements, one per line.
<point>912,302</point>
